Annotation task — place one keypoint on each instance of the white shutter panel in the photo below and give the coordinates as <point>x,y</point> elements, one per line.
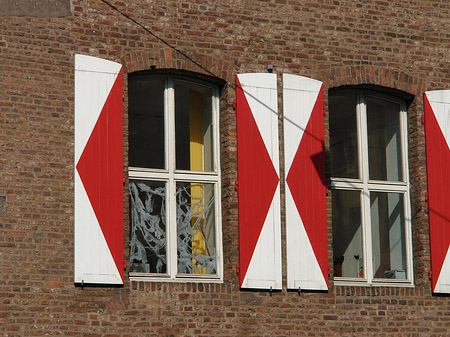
<point>258,181</point>
<point>437,136</point>
<point>306,225</point>
<point>98,171</point>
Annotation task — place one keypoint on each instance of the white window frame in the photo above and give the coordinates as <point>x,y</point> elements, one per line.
<point>365,186</point>
<point>171,176</point>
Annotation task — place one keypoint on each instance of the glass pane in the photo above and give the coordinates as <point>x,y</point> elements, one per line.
<point>196,234</point>
<point>146,122</point>
<point>193,127</point>
<point>388,235</point>
<point>383,127</point>
<point>347,234</point>
<point>148,226</point>
<point>343,137</point>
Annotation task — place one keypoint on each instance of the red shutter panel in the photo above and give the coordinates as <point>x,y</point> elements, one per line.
<point>306,224</point>
<point>98,171</point>
<point>258,181</point>
<point>437,137</point>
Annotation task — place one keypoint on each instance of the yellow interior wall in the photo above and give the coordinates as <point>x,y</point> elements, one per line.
<point>196,164</point>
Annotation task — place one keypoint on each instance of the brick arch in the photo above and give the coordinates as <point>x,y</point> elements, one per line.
<point>369,75</point>
<point>168,58</point>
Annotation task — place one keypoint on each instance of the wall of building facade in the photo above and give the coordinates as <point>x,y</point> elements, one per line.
<point>401,45</point>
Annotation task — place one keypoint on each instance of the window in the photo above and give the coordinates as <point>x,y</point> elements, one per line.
<point>370,188</point>
<point>174,178</point>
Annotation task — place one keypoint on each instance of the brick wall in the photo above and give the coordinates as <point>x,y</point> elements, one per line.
<point>402,45</point>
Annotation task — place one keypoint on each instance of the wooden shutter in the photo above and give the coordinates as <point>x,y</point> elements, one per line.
<point>437,137</point>
<point>98,171</point>
<point>306,225</point>
<point>258,181</point>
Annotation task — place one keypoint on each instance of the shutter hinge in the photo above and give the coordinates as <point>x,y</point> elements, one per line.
<point>426,197</point>
<point>329,271</point>
<point>236,186</point>
<point>429,274</point>
<point>324,111</point>
<point>327,190</point>
<point>124,265</point>
<point>238,268</point>
<point>423,119</point>
<point>234,107</point>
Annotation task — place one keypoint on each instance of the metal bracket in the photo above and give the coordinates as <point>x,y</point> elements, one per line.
<point>270,290</point>
<point>299,290</point>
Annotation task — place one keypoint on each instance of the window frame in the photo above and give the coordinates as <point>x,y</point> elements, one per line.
<point>364,185</point>
<point>171,176</point>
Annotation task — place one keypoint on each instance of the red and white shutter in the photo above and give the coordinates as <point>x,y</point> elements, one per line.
<point>437,137</point>
<point>98,171</point>
<point>306,224</point>
<point>258,181</point>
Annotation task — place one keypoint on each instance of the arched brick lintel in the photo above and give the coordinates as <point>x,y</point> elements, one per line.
<point>368,75</point>
<point>168,58</point>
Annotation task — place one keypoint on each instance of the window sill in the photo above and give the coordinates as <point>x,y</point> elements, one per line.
<point>134,277</point>
<point>363,283</point>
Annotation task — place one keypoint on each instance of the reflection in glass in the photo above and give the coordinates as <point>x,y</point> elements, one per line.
<point>343,137</point>
<point>146,122</point>
<point>196,237</point>
<point>148,226</point>
<point>383,127</point>
<point>347,234</point>
<point>388,235</point>
<point>193,127</point>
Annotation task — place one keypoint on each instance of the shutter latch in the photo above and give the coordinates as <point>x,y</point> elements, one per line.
<point>429,274</point>
<point>234,107</point>
<point>236,185</point>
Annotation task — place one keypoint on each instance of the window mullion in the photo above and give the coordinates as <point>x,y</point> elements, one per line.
<point>365,193</point>
<point>169,113</point>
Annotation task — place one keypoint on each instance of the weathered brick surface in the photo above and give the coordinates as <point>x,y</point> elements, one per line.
<point>402,45</point>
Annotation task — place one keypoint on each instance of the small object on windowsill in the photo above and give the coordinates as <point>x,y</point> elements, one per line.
<point>395,274</point>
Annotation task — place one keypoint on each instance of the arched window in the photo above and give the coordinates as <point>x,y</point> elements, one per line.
<point>370,188</point>
<point>174,174</point>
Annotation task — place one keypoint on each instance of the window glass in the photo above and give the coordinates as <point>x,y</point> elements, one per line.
<point>388,235</point>
<point>347,233</point>
<point>146,122</point>
<point>343,136</point>
<point>148,226</point>
<point>196,228</point>
<point>193,127</point>
<point>383,127</point>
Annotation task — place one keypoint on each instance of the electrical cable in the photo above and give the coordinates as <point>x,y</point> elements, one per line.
<point>159,38</point>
